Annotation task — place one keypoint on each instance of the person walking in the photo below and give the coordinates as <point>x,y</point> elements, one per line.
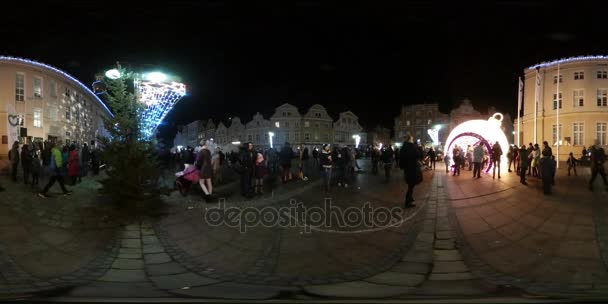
<point>286,156</point>
<point>547,169</point>
<point>469,157</point>
<point>457,160</point>
<point>496,155</point>
<point>375,160</point>
<point>205,171</point>
<point>247,164</point>
<point>36,169</point>
<point>432,158</point>
<point>26,163</point>
<point>598,157</point>
<point>524,162</point>
<point>73,165</point>
<point>326,165</point>
<point>13,157</point>
<point>260,173</point>
<point>342,163</point>
<point>304,165</point>
<point>510,158</point>
<point>86,157</point>
<point>55,165</point>
<point>477,159</point>
<point>387,159</point>
<point>571,164</point>
<point>412,171</point>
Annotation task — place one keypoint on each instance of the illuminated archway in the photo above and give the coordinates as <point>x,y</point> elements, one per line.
<point>474,132</point>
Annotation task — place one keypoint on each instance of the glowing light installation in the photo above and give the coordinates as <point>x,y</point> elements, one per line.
<point>434,134</point>
<point>159,98</point>
<point>357,140</point>
<point>270,136</point>
<point>474,132</point>
<point>568,60</point>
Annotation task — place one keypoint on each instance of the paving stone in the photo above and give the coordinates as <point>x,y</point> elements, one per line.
<point>452,288</point>
<point>157,258</point>
<point>411,267</point>
<point>130,234</point>
<point>165,269</point>
<point>425,237</point>
<point>128,264</point>
<point>451,276</point>
<point>444,235</point>
<point>357,289</point>
<point>447,255</point>
<point>233,291</point>
<point>133,227</point>
<point>157,248</point>
<point>129,256</point>
<point>177,281</point>
<point>396,278</point>
<point>449,267</point>
<point>444,244</point>
<point>131,243</point>
<point>150,239</point>
<point>418,256</point>
<point>118,290</point>
<point>121,275</point>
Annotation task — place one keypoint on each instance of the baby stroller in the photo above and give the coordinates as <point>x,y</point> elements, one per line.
<point>185,179</point>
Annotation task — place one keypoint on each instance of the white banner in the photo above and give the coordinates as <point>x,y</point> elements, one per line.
<point>14,123</point>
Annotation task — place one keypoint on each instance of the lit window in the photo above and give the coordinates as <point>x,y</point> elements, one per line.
<point>578,130</point>
<point>602,74</point>
<point>38,87</point>
<point>407,122</point>
<point>602,97</point>
<point>579,75</point>
<point>579,97</point>
<point>556,102</point>
<point>601,129</point>
<point>277,124</point>
<point>306,136</point>
<point>555,79</point>
<point>20,87</point>
<point>37,118</point>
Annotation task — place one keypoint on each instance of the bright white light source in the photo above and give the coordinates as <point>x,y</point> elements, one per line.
<point>472,132</point>
<point>270,136</point>
<point>236,142</point>
<point>434,134</point>
<point>357,140</point>
<point>156,77</point>
<point>113,74</point>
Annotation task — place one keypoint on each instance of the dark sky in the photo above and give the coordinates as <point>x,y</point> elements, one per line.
<point>366,56</point>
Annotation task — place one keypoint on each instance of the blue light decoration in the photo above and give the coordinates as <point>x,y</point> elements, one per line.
<point>10,59</point>
<point>567,60</point>
<point>158,98</point>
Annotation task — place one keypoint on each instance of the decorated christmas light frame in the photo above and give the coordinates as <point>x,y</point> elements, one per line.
<point>159,98</point>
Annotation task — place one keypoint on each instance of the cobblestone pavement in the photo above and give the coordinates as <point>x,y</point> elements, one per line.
<point>484,238</point>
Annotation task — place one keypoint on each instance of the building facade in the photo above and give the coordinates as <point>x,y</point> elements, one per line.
<point>416,119</point>
<point>345,127</point>
<point>379,135</point>
<point>257,129</point>
<point>317,126</point>
<point>579,92</point>
<point>286,122</point>
<point>39,102</point>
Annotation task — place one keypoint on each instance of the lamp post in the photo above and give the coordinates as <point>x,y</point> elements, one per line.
<point>357,138</point>
<point>270,136</point>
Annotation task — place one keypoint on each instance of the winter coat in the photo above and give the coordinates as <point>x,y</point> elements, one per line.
<point>326,159</point>
<point>73,164</point>
<point>26,158</point>
<point>342,159</point>
<point>13,155</point>
<point>260,170</point>
<point>203,162</point>
<point>36,166</point>
<point>478,154</point>
<point>547,167</point>
<point>524,160</point>
<point>409,161</point>
<point>496,152</point>
<point>387,156</point>
<point>285,156</point>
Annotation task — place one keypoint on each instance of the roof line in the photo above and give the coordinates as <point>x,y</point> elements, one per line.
<point>567,60</point>
<point>56,70</point>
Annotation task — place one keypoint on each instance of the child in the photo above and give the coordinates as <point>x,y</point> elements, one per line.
<point>36,168</point>
<point>571,164</point>
<point>260,173</point>
<point>547,172</point>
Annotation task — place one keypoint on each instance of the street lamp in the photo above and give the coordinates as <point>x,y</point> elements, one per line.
<point>156,77</point>
<point>113,74</point>
<point>270,136</point>
<point>357,140</point>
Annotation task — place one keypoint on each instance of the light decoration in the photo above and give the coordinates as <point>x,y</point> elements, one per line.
<point>434,134</point>
<point>475,132</point>
<point>357,138</point>
<point>568,60</point>
<point>270,136</point>
<point>113,74</point>
<point>159,98</point>
<point>58,71</point>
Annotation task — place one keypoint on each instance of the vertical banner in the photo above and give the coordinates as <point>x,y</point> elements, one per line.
<point>536,97</point>
<point>559,105</point>
<point>14,123</point>
<point>520,100</point>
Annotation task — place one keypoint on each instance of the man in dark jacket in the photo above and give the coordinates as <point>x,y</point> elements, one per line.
<point>326,165</point>
<point>410,163</point>
<point>86,157</point>
<point>387,159</point>
<point>247,161</point>
<point>524,163</point>
<point>496,155</point>
<point>13,157</point>
<point>26,162</point>
<point>598,157</point>
<point>285,157</point>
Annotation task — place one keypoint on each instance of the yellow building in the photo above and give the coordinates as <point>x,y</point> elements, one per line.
<point>39,102</point>
<point>579,93</point>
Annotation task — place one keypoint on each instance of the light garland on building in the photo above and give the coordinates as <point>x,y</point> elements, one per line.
<point>56,70</point>
<point>567,60</point>
<point>159,98</point>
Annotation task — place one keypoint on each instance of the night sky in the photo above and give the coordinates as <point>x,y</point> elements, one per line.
<point>366,56</point>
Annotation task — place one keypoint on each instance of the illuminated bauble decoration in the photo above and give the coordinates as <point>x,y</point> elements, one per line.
<point>474,132</point>
<point>113,74</point>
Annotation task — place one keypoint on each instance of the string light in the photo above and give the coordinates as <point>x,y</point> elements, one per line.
<point>567,60</point>
<point>159,98</point>
<point>58,71</point>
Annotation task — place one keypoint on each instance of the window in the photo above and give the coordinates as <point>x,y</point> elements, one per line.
<point>37,118</point>
<point>37,87</point>
<point>306,136</point>
<point>317,124</point>
<point>602,97</point>
<point>53,89</point>
<point>407,122</point>
<point>555,79</point>
<point>579,97</point>
<point>578,130</point>
<point>602,74</point>
<point>579,75</point>
<point>428,122</point>
<point>555,133</point>
<point>297,136</point>
<point>20,87</point>
<point>53,114</point>
<point>67,92</point>
<point>326,125</point>
<point>249,138</point>
<point>288,113</point>
<point>306,124</point>
<point>286,124</point>
<point>68,115</point>
<point>601,132</point>
<point>296,124</point>
<point>257,138</point>
<point>326,137</point>
<point>277,124</point>
<point>555,101</point>
<point>284,113</point>
<point>317,114</point>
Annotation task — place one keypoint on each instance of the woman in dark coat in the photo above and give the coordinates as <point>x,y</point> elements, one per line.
<point>410,163</point>
<point>205,172</point>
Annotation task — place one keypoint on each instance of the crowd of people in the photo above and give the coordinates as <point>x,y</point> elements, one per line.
<point>62,163</point>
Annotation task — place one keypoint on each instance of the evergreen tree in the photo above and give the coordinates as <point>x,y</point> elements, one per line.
<point>131,164</point>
